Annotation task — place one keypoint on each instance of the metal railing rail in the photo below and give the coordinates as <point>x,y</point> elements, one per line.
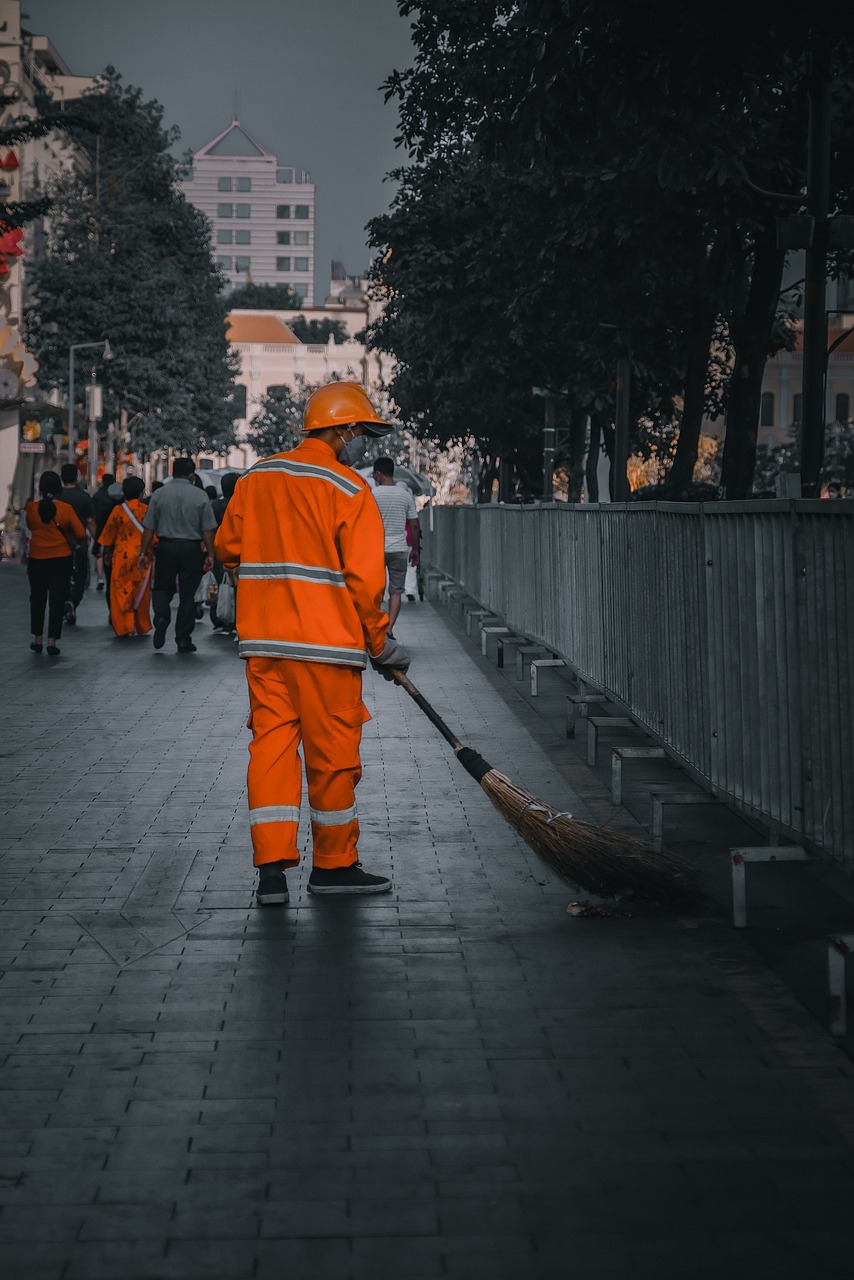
<point>726,630</point>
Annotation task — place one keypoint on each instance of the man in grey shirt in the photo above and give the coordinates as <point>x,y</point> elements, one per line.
<point>182,517</point>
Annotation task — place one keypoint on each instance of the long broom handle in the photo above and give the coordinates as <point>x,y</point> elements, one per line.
<point>469,759</point>
<point>433,716</point>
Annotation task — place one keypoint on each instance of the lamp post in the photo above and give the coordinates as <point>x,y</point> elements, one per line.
<point>79,346</point>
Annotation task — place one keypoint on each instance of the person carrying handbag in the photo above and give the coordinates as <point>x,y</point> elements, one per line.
<point>130,584</point>
<point>54,529</point>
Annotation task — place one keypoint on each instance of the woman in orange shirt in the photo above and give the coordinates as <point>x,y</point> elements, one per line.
<point>130,586</point>
<point>53,527</point>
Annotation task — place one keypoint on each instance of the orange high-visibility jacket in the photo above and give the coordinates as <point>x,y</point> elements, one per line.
<point>308,537</point>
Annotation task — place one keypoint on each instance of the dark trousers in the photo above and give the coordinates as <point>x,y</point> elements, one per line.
<point>177,559</point>
<point>79,573</point>
<point>49,583</point>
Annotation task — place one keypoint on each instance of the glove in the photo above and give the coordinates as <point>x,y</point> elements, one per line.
<point>393,658</point>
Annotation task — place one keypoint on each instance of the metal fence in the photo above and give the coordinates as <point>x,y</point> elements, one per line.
<point>725,630</point>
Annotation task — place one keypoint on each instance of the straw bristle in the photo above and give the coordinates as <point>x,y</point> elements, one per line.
<point>592,858</point>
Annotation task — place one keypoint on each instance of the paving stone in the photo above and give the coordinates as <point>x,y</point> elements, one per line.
<point>456,1081</point>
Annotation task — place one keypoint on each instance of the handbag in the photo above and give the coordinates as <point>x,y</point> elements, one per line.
<point>226,602</point>
<point>67,536</point>
<point>203,591</point>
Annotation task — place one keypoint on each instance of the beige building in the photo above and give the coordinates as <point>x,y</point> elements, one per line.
<point>29,65</point>
<point>271,355</point>
<point>781,386</point>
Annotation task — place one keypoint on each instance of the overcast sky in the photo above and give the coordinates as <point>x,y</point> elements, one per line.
<point>306,74</point>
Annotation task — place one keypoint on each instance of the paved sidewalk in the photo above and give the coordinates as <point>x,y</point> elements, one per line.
<point>458,1079</point>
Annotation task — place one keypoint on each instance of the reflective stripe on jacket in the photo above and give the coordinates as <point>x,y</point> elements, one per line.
<point>309,541</point>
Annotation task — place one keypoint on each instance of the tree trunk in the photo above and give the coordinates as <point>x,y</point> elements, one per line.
<point>697,369</point>
<point>488,475</point>
<point>752,339</point>
<point>696,377</point>
<point>505,477</point>
<point>577,450</point>
<point>592,468</point>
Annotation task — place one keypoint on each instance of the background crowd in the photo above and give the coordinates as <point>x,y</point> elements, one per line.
<point>66,536</point>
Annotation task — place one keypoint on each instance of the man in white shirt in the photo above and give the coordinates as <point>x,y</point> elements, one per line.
<point>397,508</point>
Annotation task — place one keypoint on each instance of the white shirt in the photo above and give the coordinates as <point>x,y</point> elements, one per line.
<point>397,505</point>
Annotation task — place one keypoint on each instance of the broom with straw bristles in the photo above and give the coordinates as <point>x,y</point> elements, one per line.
<point>588,857</point>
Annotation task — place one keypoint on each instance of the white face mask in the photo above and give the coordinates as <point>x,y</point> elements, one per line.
<point>354,450</point>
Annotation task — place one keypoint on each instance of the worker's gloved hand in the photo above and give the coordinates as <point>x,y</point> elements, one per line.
<point>393,658</point>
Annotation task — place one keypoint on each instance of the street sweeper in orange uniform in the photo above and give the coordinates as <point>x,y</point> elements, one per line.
<point>305,536</point>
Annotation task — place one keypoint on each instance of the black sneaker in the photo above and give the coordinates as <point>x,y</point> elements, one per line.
<point>160,625</point>
<point>186,646</point>
<point>272,891</point>
<point>350,880</point>
<point>100,586</point>
<point>70,613</point>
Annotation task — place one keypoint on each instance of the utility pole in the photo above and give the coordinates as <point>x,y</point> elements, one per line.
<point>94,411</point>
<point>549,449</point>
<point>815,283</point>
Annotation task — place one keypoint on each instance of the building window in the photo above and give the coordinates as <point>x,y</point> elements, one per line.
<point>300,237</point>
<point>766,410</point>
<point>300,264</point>
<point>283,264</point>
<point>284,175</point>
<point>241,264</point>
<point>225,211</point>
<point>243,237</point>
<point>301,290</point>
<point>843,407</point>
<point>223,237</point>
<point>225,263</point>
<point>283,210</point>
<point>283,237</point>
<point>242,184</point>
<point>301,211</point>
<point>244,211</point>
<point>797,407</point>
<point>223,184</point>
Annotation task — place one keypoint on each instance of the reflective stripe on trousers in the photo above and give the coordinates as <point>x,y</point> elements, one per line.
<point>319,705</point>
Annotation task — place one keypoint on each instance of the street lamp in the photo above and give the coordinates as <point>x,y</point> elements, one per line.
<point>79,346</point>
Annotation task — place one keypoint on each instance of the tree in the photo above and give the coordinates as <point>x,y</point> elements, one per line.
<point>264,297</point>
<point>592,174</point>
<point>317,331</point>
<point>128,259</point>
<point>276,427</point>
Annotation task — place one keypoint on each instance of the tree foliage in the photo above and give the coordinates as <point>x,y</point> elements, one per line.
<point>128,259</point>
<point>276,426</point>
<point>264,297</point>
<point>582,183</point>
<point>317,331</point>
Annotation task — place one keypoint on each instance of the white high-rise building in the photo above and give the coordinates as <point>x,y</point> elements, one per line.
<point>262,213</point>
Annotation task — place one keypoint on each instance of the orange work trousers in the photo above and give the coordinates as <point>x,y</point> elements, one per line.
<point>319,705</point>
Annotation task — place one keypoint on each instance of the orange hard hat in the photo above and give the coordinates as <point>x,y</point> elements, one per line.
<point>343,404</point>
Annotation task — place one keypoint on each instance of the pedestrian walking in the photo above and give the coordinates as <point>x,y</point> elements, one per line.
<point>219,507</point>
<point>78,498</point>
<point>308,539</point>
<point>54,527</point>
<point>130,583</point>
<point>397,508</point>
<point>11,533</point>
<point>180,515</point>
<point>103,505</point>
